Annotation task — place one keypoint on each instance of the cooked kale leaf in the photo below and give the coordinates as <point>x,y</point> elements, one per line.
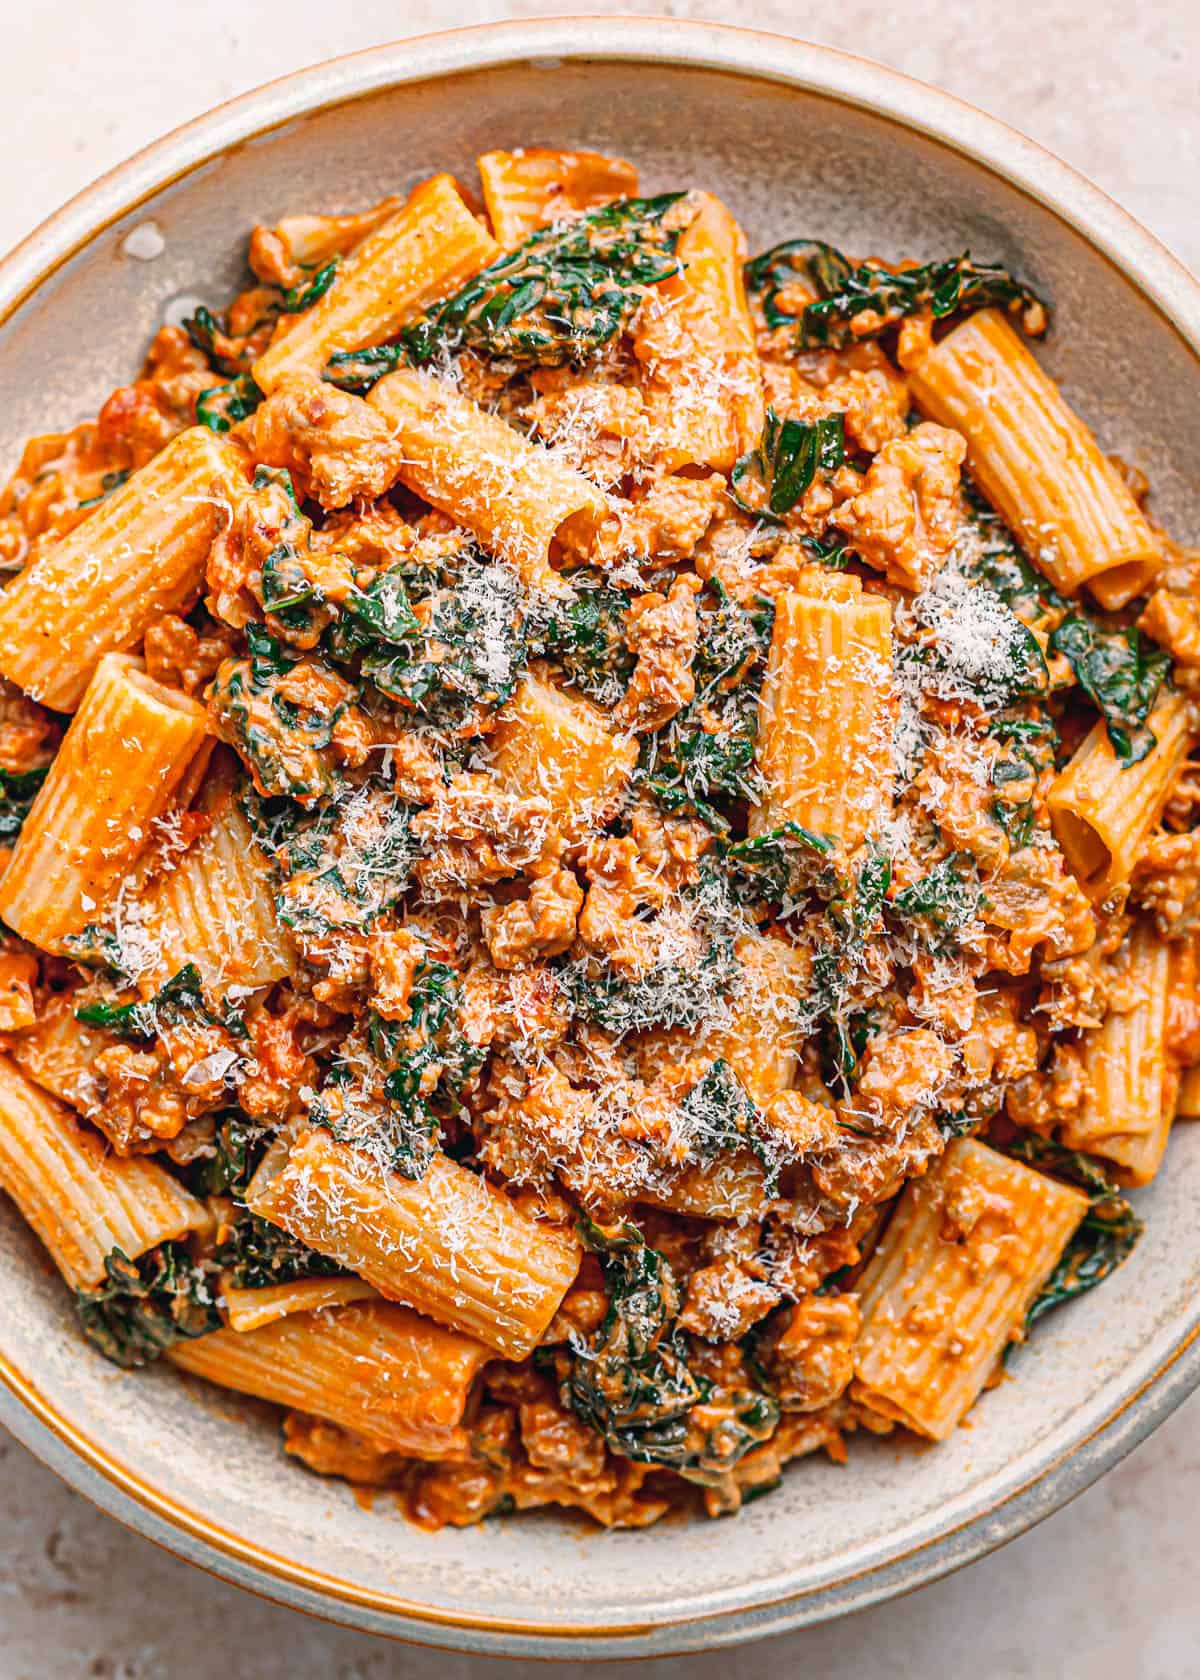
<point>147,1305</point>
<point>561,296</point>
<point>303,296</point>
<point>780,865</point>
<point>180,996</point>
<point>238,1145</point>
<point>341,865</point>
<point>993,557</point>
<point>942,903</point>
<point>471,650</point>
<point>257,1254</point>
<point>1028,751</point>
<point>706,752</point>
<point>631,1382</point>
<point>1107,1236</point>
<point>221,407</point>
<point>682,988</point>
<point>18,790</point>
<point>1121,671</point>
<point>584,635</point>
<point>767,482</point>
<point>283,738</point>
<point>855,301</point>
<point>851,917</point>
<point>426,1060</point>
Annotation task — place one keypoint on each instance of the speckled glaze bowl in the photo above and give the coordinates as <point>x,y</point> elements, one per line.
<point>799,140</point>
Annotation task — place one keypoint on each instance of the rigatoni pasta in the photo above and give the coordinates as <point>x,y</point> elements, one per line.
<point>82,1202</point>
<point>1037,461</point>
<point>214,907</point>
<point>124,761</point>
<point>826,717</point>
<point>518,500</point>
<point>966,1252</point>
<point>1103,810</point>
<point>562,745</point>
<point>689,929</point>
<point>427,248</point>
<point>377,1369</point>
<point>452,1245</point>
<point>534,185</point>
<point>140,554</point>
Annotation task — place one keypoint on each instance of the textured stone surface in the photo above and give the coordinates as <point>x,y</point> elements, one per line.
<point>1104,1589</point>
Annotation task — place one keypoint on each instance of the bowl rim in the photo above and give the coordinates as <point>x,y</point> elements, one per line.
<point>1138,255</point>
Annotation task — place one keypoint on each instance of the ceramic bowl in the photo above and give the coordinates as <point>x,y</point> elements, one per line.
<point>799,140</point>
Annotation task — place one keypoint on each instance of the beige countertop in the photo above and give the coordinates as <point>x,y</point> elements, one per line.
<point>1107,1588</point>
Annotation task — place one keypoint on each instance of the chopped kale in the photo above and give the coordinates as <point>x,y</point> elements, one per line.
<point>222,406</point>
<point>767,482</point>
<point>631,1382</point>
<point>467,653</point>
<point>100,946</point>
<point>942,903</point>
<point>706,752</point>
<point>781,864</point>
<point>1121,671</point>
<point>204,329</point>
<point>111,481</point>
<point>147,1305</point>
<point>257,1254</point>
<point>994,558</point>
<point>426,1061</point>
<point>377,617</point>
<point>281,738</point>
<point>178,997</point>
<point>720,1117</point>
<point>303,296</point>
<point>238,1145</point>
<point>1029,745</point>
<point>680,990</point>
<point>856,301</point>
<point>289,590</point>
<point>558,298</point>
<point>584,635</point>
<point>18,790</point>
<point>358,370</point>
<point>341,865</point>
<point>970,645</point>
<point>1107,1236</point>
<point>850,919</point>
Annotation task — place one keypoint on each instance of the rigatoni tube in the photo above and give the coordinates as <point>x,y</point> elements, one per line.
<point>1037,461</point>
<point>1102,810</point>
<point>450,1244</point>
<point>140,554</point>
<point>215,906</point>
<point>525,189</point>
<point>376,1369</point>
<point>121,765</point>
<point>81,1200</point>
<point>558,744</point>
<point>762,1042</point>
<point>517,498</point>
<point>1126,1116</point>
<point>967,1250</point>
<point>250,1309</point>
<point>826,717</point>
<point>695,337</point>
<point>429,248</point>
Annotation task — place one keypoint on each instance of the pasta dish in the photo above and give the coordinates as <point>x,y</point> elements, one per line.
<point>601,862</point>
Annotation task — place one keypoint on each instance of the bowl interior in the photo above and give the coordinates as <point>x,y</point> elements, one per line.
<point>789,163</point>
